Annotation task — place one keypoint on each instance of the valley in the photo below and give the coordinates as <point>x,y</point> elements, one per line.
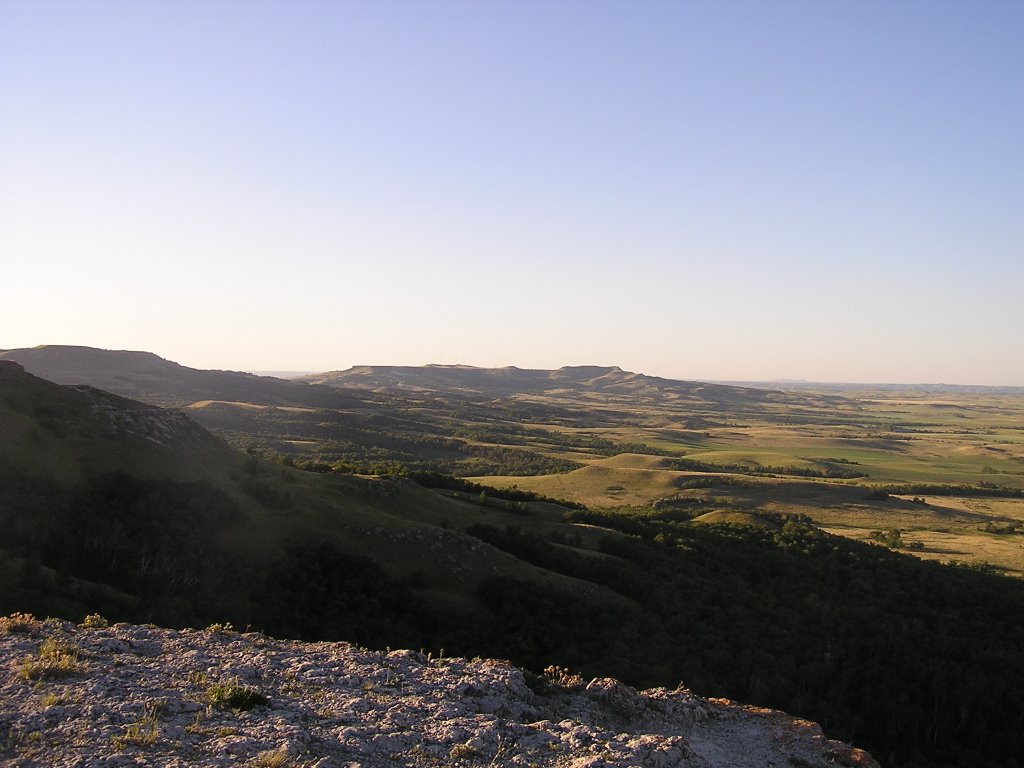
<point>824,553</point>
<point>853,461</point>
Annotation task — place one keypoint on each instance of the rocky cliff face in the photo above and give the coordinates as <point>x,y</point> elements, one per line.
<point>78,696</point>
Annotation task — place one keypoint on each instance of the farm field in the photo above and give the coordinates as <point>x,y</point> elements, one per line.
<point>942,467</point>
<point>692,540</point>
<point>946,471</point>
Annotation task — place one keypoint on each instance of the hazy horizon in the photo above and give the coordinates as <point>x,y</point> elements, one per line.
<point>730,191</point>
<point>295,373</point>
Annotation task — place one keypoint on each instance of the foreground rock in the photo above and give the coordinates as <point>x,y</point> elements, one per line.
<point>140,696</point>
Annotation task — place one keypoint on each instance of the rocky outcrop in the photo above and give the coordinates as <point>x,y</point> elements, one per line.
<point>77,696</point>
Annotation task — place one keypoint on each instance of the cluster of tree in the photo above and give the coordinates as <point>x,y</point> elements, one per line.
<point>920,663</point>
<point>691,483</point>
<point>935,489</point>
<point>511,434</point>
<point>893,539</point>
<point>142,550</point>
<point>825,469</point>
<point>498,460</point>
<point>1005,528</point>
<point>384,452</point>
<point>450,483</point>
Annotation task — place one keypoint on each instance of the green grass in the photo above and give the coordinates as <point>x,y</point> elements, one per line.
<point>892,437</point>
<point>231,694</point>
<point>531,580</point>
<point>893,440</point>
<point>142,733</point>
<point>55,658</point>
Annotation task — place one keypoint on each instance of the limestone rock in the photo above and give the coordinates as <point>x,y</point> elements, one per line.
<point>143,696</point>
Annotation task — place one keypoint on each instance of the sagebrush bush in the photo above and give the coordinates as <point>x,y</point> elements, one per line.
<point>94,621</point>
<point>19,622</point>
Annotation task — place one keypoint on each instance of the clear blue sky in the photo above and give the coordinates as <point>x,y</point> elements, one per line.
<point>717,190</point>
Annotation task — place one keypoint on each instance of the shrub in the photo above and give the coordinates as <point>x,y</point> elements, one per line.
<point>55,658</point>
<point>19,622</point>
<point>272,758</point>
<point>462,751</point>
<point>231,694</point>
<point>94,621</point>
<point>563,678</point>
<point>890,538</point>
<point>140,734</point>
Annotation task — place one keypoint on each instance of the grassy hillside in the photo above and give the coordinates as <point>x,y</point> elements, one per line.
<point>493,383</point>
<point>855,469</point>
<point>610,438</point>
<point>147,377</point>
<point>112,506</point>
<point>72,452</point>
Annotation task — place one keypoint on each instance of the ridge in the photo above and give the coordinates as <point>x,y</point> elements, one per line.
<point>143,695</point>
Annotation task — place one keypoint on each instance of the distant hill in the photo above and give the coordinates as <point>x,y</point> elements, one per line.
<point>152,379</point>
<point>109,503</point>
<point>451,419</point>
<point>473,382</point>
<point>111,506</point>
<point>67,431</point>
<point>800,385</point>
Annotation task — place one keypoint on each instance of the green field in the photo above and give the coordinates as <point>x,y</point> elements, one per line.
<point>831,458</point>
<point>613,439</point>
<point>703,552</point>
<point>963,456</point>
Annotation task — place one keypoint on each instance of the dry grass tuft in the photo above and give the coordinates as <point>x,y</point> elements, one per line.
<point>20,622</point>
<point>56,658</point>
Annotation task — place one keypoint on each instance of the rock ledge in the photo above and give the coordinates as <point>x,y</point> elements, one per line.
<point>141,696</point>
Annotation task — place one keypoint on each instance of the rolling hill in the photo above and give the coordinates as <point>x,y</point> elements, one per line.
<point>452,419</point>
<point>581,381</point>
<point>89,478</point>
<point>152,379</point>
<point>148,377</point>
<point>133,511</point>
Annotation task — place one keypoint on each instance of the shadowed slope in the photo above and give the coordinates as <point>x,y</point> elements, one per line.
<point>145,376</point>
<point>104,489</point>
<point>848,634</point>
<point>67,431</point>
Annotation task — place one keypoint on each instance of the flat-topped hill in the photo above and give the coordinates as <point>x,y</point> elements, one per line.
<point>66,430</point>
<point>148,377</point>
<point>471,381</point>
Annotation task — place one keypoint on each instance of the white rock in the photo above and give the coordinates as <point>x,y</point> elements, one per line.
<point>334,706</point>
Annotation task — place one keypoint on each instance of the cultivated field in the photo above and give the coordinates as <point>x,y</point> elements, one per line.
<point>936,471</point>
<point>945,470</point>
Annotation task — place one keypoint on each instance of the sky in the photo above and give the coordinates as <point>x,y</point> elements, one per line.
<point>721,190</point>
